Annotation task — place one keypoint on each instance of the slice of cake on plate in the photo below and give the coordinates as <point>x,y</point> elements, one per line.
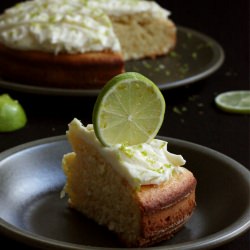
<point>142,192</point>
<point>121,188</point>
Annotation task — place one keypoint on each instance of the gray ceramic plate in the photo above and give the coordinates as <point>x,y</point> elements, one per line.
<point>32,212</point>
<point>195,57</point>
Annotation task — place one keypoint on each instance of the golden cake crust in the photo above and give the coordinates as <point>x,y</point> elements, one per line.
<point>87,70</point>
<point>165,208</point>
<point>155,197</point>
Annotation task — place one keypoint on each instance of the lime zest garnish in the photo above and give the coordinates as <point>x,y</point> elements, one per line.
<point>129,110</point>
<point>167,165</point>
<point>128,152</point>
<point>237,101</point>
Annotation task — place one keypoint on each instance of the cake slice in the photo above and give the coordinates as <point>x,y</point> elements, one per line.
<point>140,192</point>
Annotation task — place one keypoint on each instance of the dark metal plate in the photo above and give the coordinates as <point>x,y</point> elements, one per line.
<point>195,57</point>
<point>31,210</point>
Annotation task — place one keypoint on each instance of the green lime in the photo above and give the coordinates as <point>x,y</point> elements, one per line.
<point>12,115</point>
<point>129,110</point>
<point>234,101</point>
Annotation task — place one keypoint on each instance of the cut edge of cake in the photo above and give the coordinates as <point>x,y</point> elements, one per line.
<point>140,217</point>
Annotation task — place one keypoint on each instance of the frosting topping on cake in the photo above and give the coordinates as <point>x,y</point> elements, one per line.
<point>71,26</point>
<point>142,164</point>
<point>123,7</point>
<point>57,26</point>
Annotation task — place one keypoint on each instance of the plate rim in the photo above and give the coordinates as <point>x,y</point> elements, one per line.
<point>214,64</point>
<point>221,237</point>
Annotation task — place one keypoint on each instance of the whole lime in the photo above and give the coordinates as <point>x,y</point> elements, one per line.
<point>12,115</point>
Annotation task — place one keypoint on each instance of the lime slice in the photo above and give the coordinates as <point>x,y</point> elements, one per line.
<point>12,115</point>
<point>234,101</point>
<point>129,110</point>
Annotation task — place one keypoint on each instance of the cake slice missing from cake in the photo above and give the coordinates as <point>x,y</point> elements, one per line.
<point>102,187</point>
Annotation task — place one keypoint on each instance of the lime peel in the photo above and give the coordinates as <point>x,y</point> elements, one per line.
<point>12,115</point>
<point>129,110</point>
<point>237,101</point>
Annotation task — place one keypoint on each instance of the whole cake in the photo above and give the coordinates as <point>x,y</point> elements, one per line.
<point>141,192</point>
<point>80,43</point>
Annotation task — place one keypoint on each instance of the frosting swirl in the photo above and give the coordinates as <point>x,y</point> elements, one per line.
<point>57,26</point>
<point>71,26</point>
<point>142,164</point>
<point>129,7</point>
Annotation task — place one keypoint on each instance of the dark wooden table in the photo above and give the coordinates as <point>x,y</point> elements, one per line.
<point>201,122</point>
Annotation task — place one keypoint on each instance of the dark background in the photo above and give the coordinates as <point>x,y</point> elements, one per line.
<point>225,21</point>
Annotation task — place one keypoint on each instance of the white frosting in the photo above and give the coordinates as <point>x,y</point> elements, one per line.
<point>72,26</point>
<point>57,26</point>
<point>123,7</point>
<point>142,164</point>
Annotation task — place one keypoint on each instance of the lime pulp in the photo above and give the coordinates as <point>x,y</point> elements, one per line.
<point>237,101</point>
<point>129,110</point>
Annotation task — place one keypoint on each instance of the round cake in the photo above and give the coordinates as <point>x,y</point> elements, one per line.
<point>80,44</point>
